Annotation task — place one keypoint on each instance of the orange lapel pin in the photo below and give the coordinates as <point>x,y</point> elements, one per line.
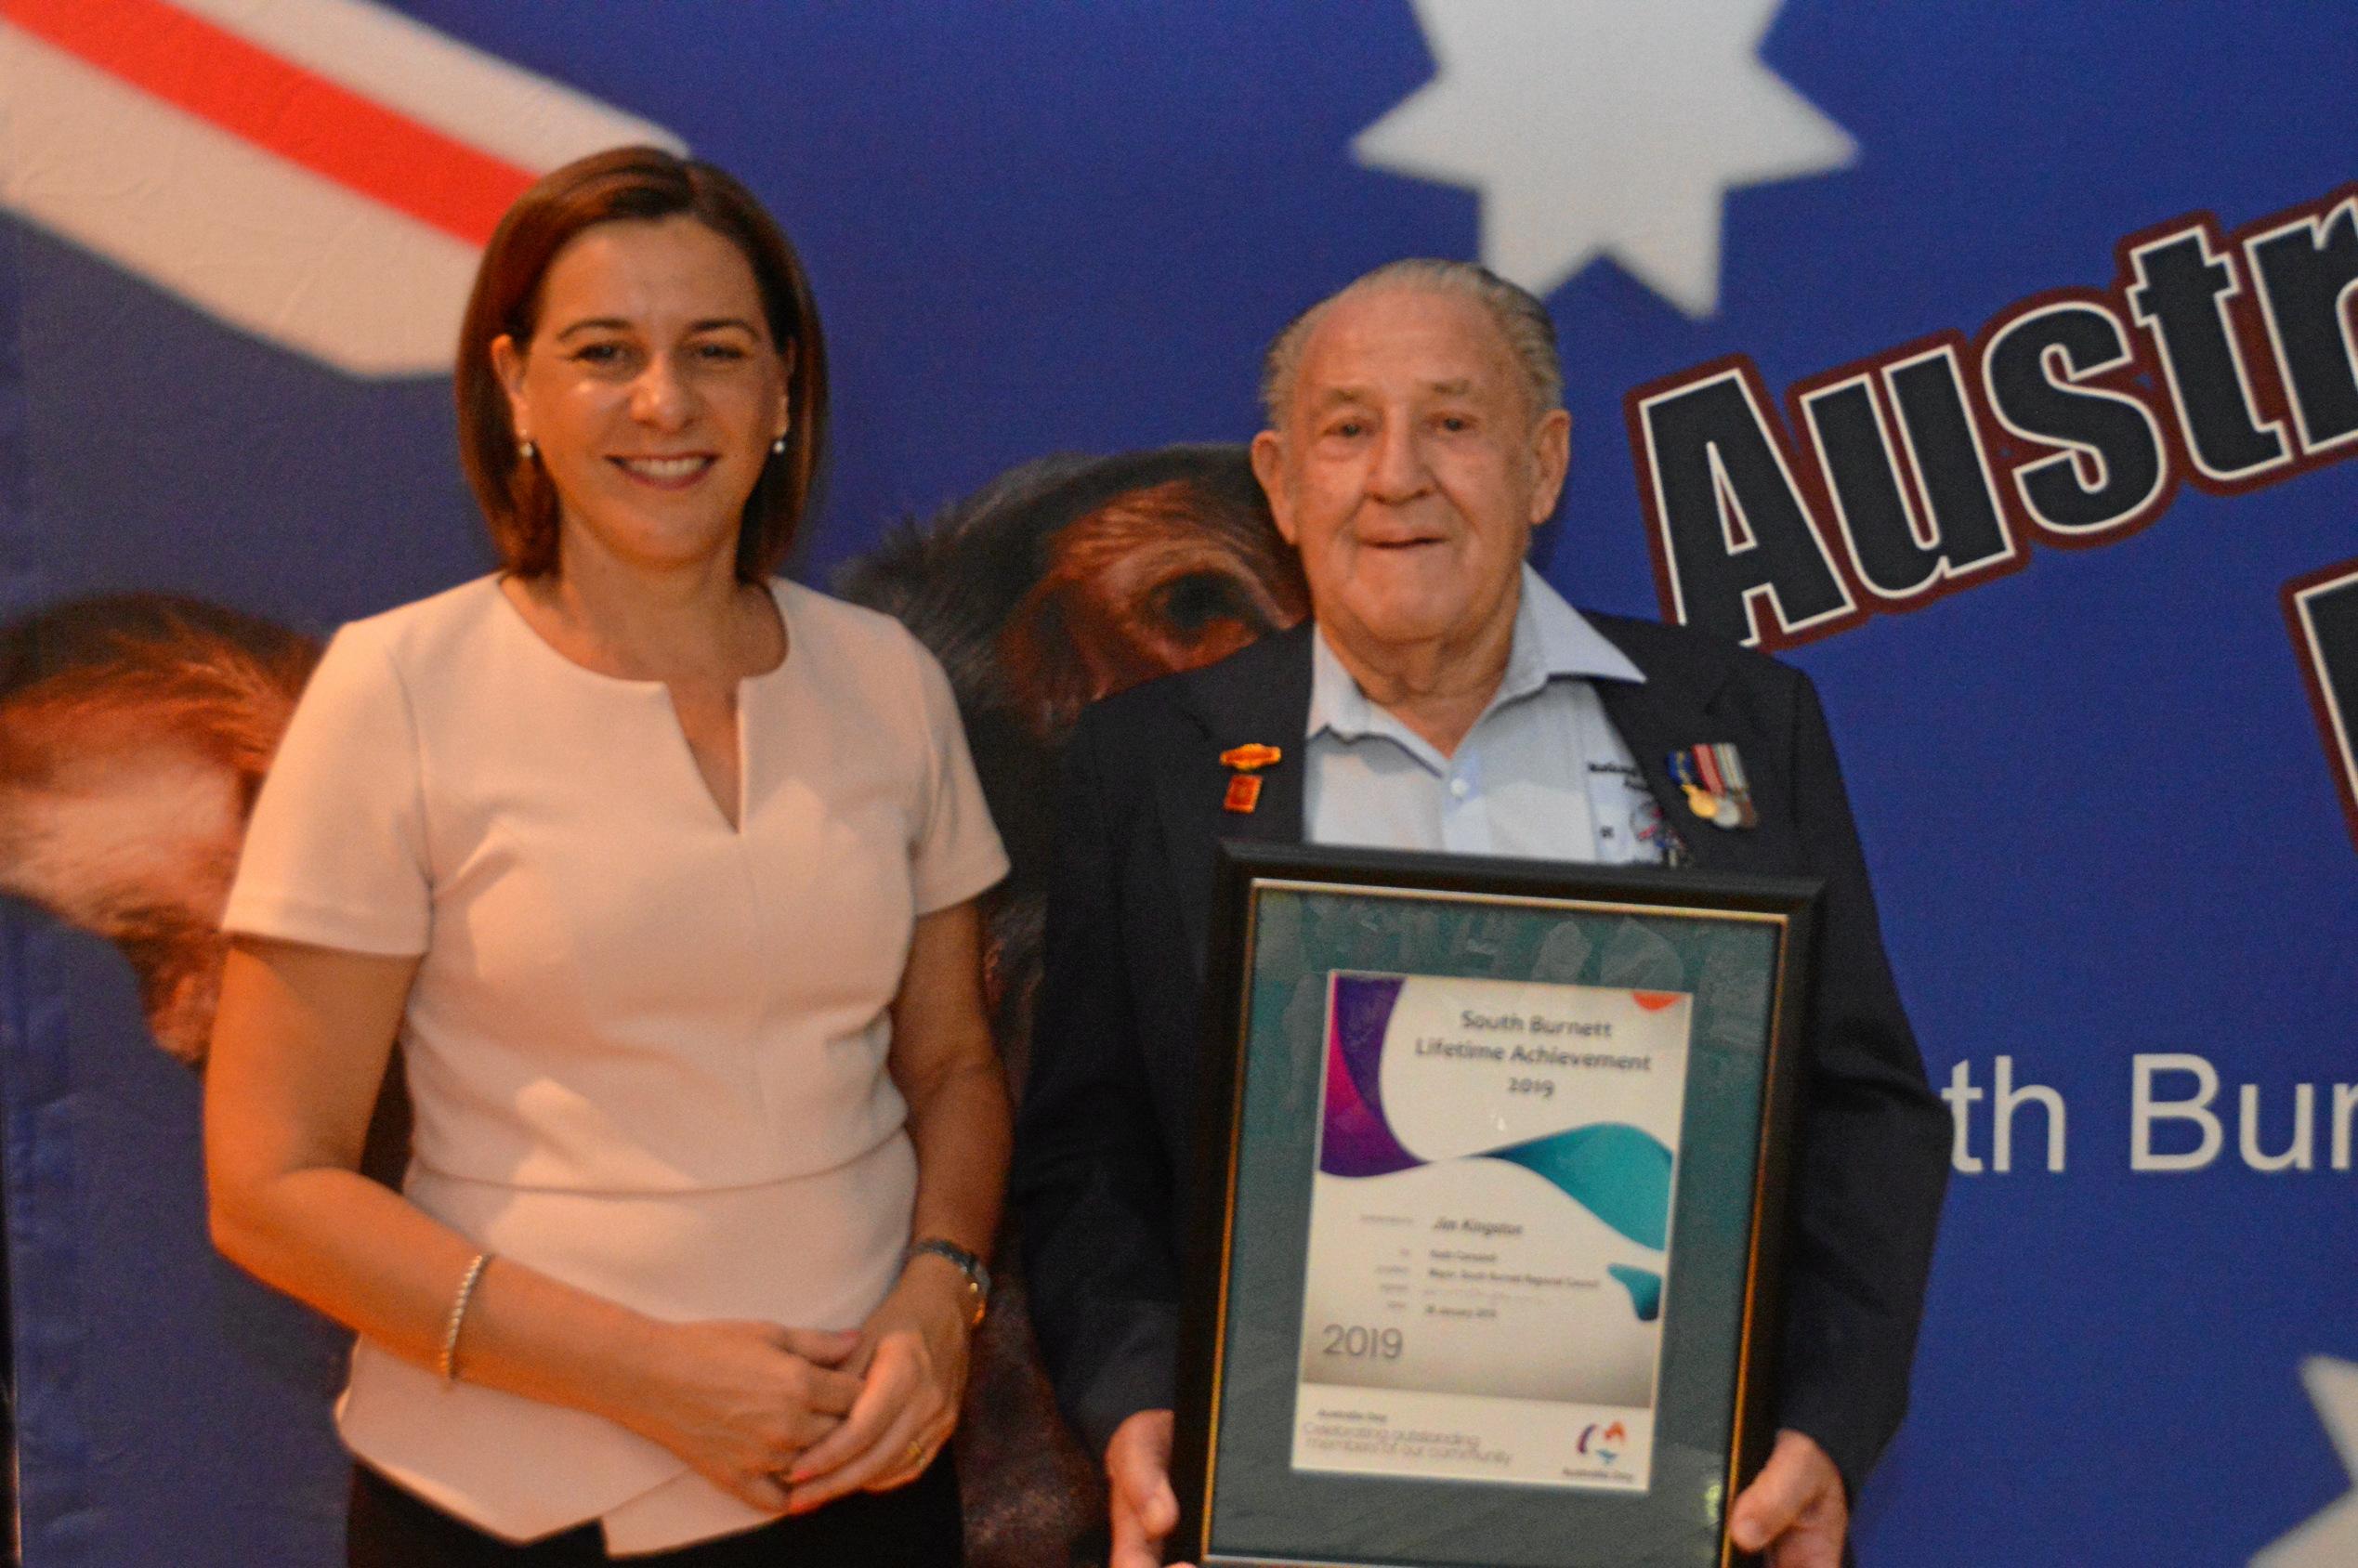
<point>1244,789</point>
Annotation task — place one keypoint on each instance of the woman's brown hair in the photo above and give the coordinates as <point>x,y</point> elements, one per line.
<point>632,183</point>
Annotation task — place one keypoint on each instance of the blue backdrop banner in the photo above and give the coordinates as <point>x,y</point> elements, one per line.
<point>1999,365</point>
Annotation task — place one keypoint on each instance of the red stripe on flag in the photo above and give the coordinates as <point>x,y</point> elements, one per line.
<point>278,106</point>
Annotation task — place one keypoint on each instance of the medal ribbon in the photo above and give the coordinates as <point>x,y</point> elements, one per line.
<point>1710,767</point>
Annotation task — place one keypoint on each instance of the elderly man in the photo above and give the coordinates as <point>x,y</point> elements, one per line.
<point>1445,697</point>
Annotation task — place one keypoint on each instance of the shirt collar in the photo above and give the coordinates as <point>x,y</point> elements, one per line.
<point>1561,641</point>
<point>1336,701</point>
<point>1550,639</point>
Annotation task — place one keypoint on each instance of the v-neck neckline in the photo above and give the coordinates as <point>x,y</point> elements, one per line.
<point>747,687</point>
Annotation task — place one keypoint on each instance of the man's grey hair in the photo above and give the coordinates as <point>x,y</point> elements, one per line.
<point>1520,318</point>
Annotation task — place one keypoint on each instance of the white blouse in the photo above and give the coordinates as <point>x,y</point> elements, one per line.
<point>647,1049</point>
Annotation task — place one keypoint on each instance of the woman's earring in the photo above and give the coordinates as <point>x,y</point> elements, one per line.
<point>778,446</point>
<point>527,448</point>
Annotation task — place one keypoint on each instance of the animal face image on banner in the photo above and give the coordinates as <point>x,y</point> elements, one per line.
<point>134,732</point>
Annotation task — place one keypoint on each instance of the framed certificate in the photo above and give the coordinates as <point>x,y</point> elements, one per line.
<point>1488,1210</point>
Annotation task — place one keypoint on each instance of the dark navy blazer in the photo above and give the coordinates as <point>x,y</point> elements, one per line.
<point>1102,1147</point>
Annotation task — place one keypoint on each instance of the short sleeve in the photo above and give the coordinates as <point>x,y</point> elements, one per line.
<point>956,853</point>
<point>336,853</point>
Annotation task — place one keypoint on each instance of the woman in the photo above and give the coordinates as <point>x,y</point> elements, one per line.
<point>664,872</point>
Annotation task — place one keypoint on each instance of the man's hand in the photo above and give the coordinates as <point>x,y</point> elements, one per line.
<point>1138,1476</point>
<point>1795,1508</point>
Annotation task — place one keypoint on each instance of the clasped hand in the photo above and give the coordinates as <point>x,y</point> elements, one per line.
<point>742,1402</point>
<point>911,1360</point>
<point>789,1418</point>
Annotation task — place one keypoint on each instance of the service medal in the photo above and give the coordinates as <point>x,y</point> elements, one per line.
<point>1699,798</point>
<point>1725,812</point>
<point>1739,789</point>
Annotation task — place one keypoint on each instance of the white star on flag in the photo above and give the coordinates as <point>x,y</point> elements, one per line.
<point>2330,1540</point>
<point>1604,127</point>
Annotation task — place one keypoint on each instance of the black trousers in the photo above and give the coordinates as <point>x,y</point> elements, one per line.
<point>915,1527</point>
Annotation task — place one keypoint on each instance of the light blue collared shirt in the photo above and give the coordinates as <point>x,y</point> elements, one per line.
<point>1543,774</point>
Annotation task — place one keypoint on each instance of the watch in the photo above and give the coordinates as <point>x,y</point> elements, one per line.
<point>977,1273</point>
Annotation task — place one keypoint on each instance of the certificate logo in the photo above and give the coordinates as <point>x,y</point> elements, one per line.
<point>1602,1443</point>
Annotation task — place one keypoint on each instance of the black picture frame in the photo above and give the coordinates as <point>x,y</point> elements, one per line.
<point>1739,945</point>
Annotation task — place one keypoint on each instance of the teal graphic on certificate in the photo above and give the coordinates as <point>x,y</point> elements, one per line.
<point>1490,1229</point>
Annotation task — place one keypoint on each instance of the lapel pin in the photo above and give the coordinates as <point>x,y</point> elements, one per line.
<point>1244,789</point>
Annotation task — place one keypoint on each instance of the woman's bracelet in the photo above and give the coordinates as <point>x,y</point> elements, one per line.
<point>467,1283</point>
